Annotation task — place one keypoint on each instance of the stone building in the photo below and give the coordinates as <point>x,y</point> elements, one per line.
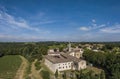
<point>63,61</point>
<point>76,52</point>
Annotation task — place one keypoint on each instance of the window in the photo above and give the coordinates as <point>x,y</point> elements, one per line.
<point>63,67</point>
<point>59,67</point>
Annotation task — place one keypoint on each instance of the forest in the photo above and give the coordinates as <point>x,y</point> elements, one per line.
<point>108,61</point>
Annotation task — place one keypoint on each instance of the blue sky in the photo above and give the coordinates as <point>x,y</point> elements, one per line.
<point>59,20</point>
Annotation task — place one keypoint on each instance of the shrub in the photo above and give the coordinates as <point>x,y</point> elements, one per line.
<point>37,65</point>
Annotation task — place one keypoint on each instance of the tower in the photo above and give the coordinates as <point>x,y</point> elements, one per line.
<point>69,47</point>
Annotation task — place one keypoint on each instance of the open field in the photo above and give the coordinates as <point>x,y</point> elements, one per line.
<point>9,66</point>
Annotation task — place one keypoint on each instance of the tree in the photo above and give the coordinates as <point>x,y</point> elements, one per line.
<point>64,75</point>
<point>56,74</point>
<point>72,75</point>
<point>1,54</point>
<point>37,65</point>
<point>60,49</point>
<point>102,75</point>
<point>36,54</point>
<point>25,51</point>
<point>43,49</point>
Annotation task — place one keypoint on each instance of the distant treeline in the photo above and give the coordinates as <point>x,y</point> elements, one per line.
<point>28,50</point>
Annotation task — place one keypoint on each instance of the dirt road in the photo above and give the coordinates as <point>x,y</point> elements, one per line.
<point>21,71</point>
<point>34,73</point>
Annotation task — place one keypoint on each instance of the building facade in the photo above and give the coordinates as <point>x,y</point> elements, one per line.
<point>63,62</point>
<point>76,52</point>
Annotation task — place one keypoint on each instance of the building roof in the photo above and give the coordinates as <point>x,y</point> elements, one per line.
<point>63,57</point>
<point>53,52</point>
<point>75,51</point>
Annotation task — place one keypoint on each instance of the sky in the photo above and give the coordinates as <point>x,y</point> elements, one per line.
<point>59,20</point>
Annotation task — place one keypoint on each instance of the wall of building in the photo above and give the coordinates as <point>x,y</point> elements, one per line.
<point>72,54</point>
<point>58,66</point>
<point>82,65</point>
<point>53,54</point>
<point>64,66</point>
<point>50,65</point>
<point>77,55</point>
<point>51,50</point>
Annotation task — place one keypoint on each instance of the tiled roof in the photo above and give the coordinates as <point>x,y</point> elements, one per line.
<point>63,57</point>
<point>53,52</point>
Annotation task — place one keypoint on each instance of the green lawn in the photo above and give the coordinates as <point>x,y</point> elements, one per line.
<point>9,66</point>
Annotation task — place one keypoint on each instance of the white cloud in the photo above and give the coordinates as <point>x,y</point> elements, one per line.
<point>112,29</point>
<point>84,28</point>
<point>7,37</point>
<point>93,26</point>
<point>40,18</point>
<point>93,20</point>
<point>17,23</point>
<point>43,22</point>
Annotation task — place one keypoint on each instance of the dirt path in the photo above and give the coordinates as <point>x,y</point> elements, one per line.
<point>34,73</point>
<point>21,71</point>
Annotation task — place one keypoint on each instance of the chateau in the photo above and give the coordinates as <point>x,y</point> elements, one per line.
<point>60,61</point>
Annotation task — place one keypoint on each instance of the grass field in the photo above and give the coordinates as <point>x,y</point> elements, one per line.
<point>9,66</point>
